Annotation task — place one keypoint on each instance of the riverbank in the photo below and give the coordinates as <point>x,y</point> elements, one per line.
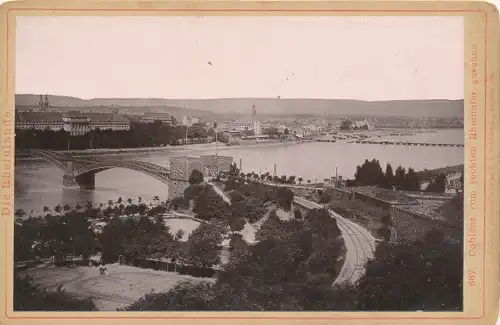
<point>174,149</point>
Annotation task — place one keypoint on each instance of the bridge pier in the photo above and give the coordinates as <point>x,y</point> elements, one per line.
<point>85,181</point>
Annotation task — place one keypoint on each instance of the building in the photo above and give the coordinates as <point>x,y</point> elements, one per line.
<point>350,125</point>
<point>74,122</point>
<point>453,183</point>
<point>38,121</point>
<point>282,128</point>
<point>240,126</point>
<point>108,121</point>
<point>182,167</point>
<point>188,121</point>
<point>164,118</point>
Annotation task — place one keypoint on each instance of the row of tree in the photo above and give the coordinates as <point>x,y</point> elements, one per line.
<point>283,179</point>
<point>140,135</point>
<point>371,173</point>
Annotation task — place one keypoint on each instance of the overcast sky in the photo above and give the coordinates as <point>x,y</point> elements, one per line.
<point>366,58</point>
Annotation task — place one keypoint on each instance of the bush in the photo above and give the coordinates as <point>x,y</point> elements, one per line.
<point>196,177</point>
<point>237,224</point>
<point>325,197</point>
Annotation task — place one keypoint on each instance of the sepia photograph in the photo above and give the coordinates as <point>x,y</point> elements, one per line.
<point>239,163</point>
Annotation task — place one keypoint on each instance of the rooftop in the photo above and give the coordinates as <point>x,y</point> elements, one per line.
<point>38,117</point>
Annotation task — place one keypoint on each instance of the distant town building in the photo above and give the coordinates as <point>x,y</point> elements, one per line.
<point>164,118</point>
<point>108,121</point>
<point>74,122</point>
<point>26,120</point>
<point>189,121</point>
<point>282,128</point>
<point>241,126</point>
<point>453,183</point>
<point>350,125</point>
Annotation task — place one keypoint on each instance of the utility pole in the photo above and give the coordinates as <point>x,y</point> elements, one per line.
<point>216,151</point>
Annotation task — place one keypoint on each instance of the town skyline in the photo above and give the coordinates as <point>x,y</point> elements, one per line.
<point>421,59</point>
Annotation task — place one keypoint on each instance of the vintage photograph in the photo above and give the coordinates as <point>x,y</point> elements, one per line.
<point>239,163</point>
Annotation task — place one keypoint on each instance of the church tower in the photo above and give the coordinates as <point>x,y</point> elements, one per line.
<point>46,102</point>
<point>40,103</point>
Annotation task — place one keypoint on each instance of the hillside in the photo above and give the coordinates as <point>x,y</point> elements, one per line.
<point>273,106</point>
<point>131,105</point>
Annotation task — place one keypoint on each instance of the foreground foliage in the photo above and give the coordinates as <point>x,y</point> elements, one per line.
<point>28,297</point>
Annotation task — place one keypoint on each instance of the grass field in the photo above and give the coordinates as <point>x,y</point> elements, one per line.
<point>123,286</point>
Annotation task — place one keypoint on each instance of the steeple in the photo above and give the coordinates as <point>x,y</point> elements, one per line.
<point>40,103</point>
<point>46,102</point>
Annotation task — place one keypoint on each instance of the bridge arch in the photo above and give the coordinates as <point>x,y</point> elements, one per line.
<point>49,156</point>
<point>160,173</point>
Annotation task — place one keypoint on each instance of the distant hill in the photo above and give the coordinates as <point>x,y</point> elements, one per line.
<point>64,103</point>
<point>268,106</point>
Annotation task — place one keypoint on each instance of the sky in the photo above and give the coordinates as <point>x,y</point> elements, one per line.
<point>365,58</point>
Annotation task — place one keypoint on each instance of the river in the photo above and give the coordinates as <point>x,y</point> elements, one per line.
<point>38,183</point>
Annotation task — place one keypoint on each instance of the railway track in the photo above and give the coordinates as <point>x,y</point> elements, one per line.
<point>359,242</point>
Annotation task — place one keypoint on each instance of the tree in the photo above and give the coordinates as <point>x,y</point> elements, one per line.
<point>300,180</point>
<point>400,178</point>
<point>196,177</point>
<point>210,205</point>
<point>285,198</point>
<point>384,232</point>
<point>388,177</point>
<point>237,224</point>
<point>370,173</point>
<point>185,295</point>
<point>412,181</point>
<point>203,245</point>
<point>58,208</point>
<point>20,213</point>
<point>418,276</point>
<point>437,185</point>
<point>179,234</point>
